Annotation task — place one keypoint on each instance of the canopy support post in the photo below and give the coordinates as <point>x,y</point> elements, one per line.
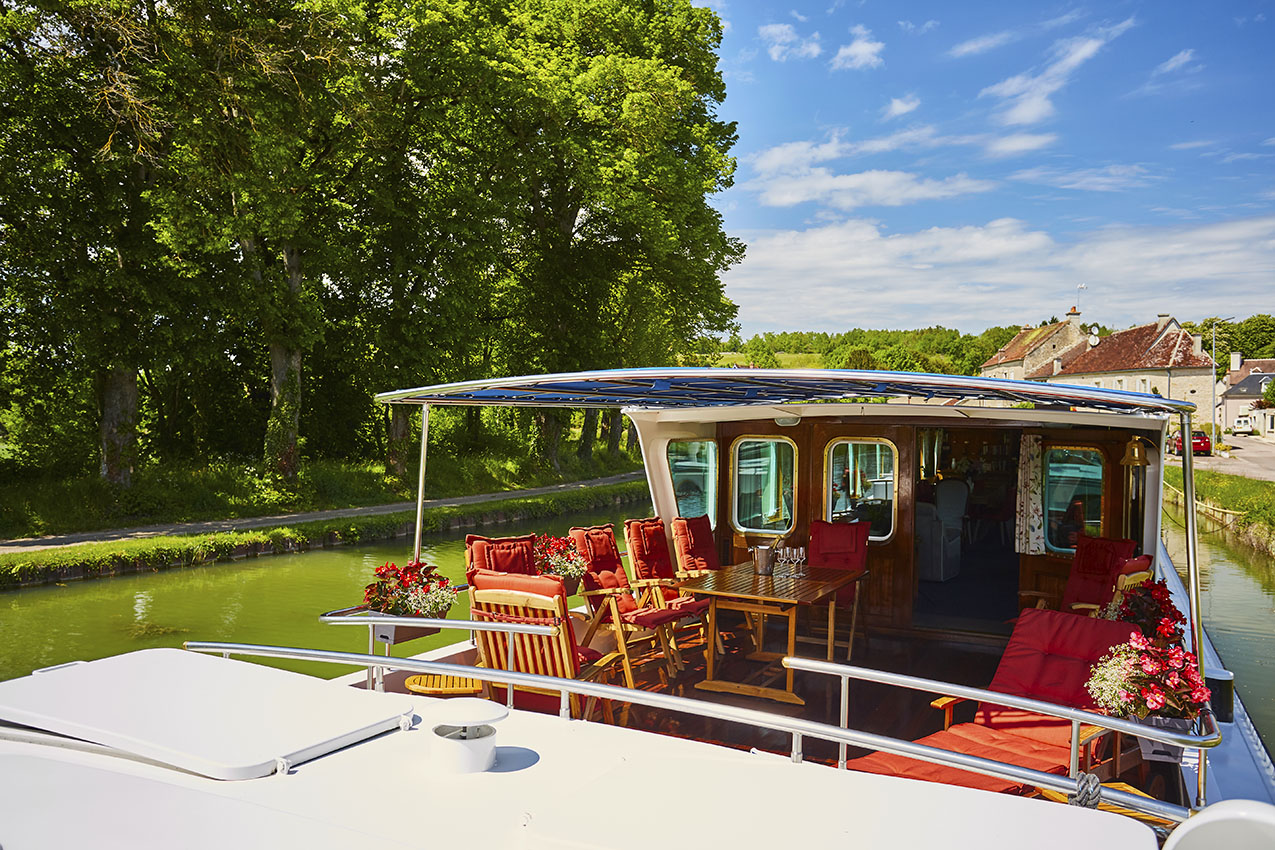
<point>1193,580</point>
<point>420,484</point>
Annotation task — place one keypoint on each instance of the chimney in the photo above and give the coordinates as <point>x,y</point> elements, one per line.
<point>1197,345</point>
<point>1057,365</point>
<point>1237,360</point>
<point>1073,316</point>
<point>1161,320</point>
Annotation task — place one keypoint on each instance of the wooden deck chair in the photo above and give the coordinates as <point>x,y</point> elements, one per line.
<point>1101,567</point>
<point>649,556</point>
<point>1048,657</point>
<point>535,600</point>
<point>628,610</point>
<point>501,554</point>
<point>841,546</point>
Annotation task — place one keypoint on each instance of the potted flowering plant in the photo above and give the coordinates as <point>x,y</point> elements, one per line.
<point>558,556</point>
<point>1151,678</point>
<point>415,590</point>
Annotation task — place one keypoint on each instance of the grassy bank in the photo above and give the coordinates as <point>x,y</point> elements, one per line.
<point>94,560</point>
<point>30,508</point>
<point>1255,500</point>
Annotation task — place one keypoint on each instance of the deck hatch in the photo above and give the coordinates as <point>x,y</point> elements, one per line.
<point>215,717</point>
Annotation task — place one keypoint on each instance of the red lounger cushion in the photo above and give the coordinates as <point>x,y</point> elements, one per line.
<point>1097,562</point>
<point>648,552</point>
<point>596,545</point>
<point>840,546</point>
<point>696,546</point>
<point>501,554</point>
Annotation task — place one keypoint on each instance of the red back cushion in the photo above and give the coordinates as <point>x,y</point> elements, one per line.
<point>501,554</point>
<point>1050,654</point>
<point>1094,569</point>
<point>841,546</point>
<point>695,544</point>
<point>605,571</point>
<point>648,551</point>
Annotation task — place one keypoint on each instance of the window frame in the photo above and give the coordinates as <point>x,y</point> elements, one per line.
<point>710,494</point>
<point>1050,549</point>
<point>894,472</point>
<point>734,484</point>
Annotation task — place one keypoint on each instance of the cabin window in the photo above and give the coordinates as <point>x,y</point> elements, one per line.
<point>693,465</point>
<point>763,479</point>
<point>1073,496</point>
<point>859,479</point>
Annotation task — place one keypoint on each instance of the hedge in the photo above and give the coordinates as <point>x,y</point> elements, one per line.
<point>94,560</point>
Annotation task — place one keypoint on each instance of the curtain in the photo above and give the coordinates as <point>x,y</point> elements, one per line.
<point>1029,519</point>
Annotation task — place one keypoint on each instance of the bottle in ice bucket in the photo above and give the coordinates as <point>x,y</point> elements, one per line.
<point>764,560</point>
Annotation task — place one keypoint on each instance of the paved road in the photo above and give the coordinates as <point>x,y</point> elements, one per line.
<point>1251,457</point>
<point>29,544</point>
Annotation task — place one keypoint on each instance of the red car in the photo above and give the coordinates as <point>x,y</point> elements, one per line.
<point>1200,443</point>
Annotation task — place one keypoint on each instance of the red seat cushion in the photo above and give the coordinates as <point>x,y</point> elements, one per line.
<point>501,554</point>
<point>1097,562</point>
<point>587,655</point>
<point>688,605</point>
<point>649,618</point>
<point>605,571</point>
<point>840,546</point>
<point>695,544</point>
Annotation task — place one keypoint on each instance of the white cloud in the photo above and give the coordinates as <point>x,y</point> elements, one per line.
<point>1111,178</point>
<point>1027,95</point>
<point>900,106</point>
<point>782,42</point>
<point>854,273</point>
<point>1270,141</point>
<point>1187,146</point>
<point>918,29</point>
<point>1019,143</point>
<point>1174,62</point>
<point>982,44</point>
<point>876,188</point>
<point>861,53</point>
<point>792,157</point>
<point>1245,156</point>
<point>800,17</point>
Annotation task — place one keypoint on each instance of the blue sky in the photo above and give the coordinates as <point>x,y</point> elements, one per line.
<point>909,164</point>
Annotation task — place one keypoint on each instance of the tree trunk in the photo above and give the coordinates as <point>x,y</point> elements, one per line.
<point>615,427</point>
<point>588,433</point>
<point>285,389</point>
<point>630,438</point>
<point>400,443</point>
<point>118,428</point>
<point>549,424</point>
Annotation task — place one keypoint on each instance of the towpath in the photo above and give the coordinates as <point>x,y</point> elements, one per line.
<point>28,544</point>
<point>1251,457</point>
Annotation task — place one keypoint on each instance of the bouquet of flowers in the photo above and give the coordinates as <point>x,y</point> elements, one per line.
<point>1151,674</point>
<point>558,555</point>
<point>416,590</point>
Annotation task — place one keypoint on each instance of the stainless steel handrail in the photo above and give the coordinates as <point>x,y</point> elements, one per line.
<point>796,727</point>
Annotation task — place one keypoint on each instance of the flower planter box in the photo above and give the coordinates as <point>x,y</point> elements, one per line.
<point>402,634</point>
<point>1158,751</point>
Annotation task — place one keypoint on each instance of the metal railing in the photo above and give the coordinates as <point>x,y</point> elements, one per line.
<point>357,615</point>
<point>1078,717</point>
<point>798,728</point>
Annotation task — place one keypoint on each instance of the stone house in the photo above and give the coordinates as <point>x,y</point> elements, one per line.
<point>1031,348</point>
<point>1159,358</point>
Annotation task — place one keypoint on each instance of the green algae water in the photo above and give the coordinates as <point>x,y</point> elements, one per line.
<point>1237,601</point>
<point>272,600</point>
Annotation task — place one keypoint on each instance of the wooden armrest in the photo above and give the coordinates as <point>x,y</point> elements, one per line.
<point>947,704</point>
<point>685,574</point>
<point>605,591</point>
<point>1090,608</point>
<point>1090,733</point>
<point>652,582</point>
<point>1034,594</point>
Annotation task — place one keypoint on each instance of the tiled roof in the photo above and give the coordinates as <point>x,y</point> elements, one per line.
<point>1250,387</point>
<point>1023,342</point>
<point>1143,347</point>
<point>1248,367</point>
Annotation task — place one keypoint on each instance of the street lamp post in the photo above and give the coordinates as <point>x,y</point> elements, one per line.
<point>1213,383</point>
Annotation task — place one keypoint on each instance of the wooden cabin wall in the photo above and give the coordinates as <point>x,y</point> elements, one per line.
<point>889,588</point>
<point>1048,573</point>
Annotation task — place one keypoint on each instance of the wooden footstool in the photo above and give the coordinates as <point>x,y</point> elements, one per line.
<point>438,685</point>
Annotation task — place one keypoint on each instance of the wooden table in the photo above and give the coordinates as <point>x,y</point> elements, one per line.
<point>739,588</point>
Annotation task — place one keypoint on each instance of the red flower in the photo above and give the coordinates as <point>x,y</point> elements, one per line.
<point>1199,695</point>
<point>1154,697</point>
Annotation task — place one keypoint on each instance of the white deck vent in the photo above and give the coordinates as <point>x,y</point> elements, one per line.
<point>464,740</point>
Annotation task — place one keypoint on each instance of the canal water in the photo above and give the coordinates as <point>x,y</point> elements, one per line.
<point>272,600</point>
<point>1237,600</point>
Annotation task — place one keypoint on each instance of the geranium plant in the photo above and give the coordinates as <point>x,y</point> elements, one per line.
<point>1152,674</point>
<point>558,555</point>
<point>415,590</point>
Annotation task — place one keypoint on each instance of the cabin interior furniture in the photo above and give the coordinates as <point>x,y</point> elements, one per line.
<point>1048,657</point>
<point>501,554</point>
<point>1101,567</point>
<point>631,619</point>
<point>535,600</point>
<point>841,546</point>
<point>951,496</point>
<point>739,588</point>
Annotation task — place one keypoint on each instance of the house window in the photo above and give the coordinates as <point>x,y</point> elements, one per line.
<point>763,474</point>
<point>859,483</point>
<point>1098,383</point>
<point>1120,383</point>
<point>1142,385</point>
<point>1072,495</point>
<point>693,465</point>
